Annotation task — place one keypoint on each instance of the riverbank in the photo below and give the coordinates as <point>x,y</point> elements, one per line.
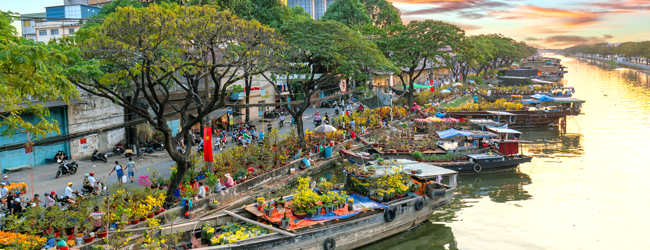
<point>640,67</point>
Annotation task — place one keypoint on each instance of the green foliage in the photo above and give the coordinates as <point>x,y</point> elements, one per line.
<point>349,12</point>
<point>382,13</point>
<point>416,44</point>
<point>30,73</point>
<point>273,13</point>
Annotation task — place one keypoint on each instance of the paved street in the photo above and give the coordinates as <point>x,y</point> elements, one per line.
<point>42,177</point>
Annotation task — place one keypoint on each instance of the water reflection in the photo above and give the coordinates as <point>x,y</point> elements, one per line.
<point>425,236</point>
<point>500,187</point>
<point>551,143</point>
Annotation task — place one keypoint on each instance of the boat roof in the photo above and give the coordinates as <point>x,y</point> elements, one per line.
<point>529,101</point>
<point>541,81</point>
<point>567,100</point>
<point>428,171</point>
<point>504,130</point>
<point>500,113</point>
<point>506,141</point>
<point>485,122</point>
<point>478,156</point>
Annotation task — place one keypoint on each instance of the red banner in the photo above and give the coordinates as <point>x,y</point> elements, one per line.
<point>207,144</point>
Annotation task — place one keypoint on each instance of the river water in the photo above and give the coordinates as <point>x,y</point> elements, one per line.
<point>586,188</point>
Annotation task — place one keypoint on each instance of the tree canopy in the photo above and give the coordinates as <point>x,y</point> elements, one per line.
<point>413,46</point>
<point>145,60</point>
<point>31,72</point>
<point>382,13</point>
<point>349,12</point>
<point>320,53</point>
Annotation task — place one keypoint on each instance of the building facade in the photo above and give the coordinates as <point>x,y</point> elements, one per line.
<point>315,8</point>
<point>57,21</point>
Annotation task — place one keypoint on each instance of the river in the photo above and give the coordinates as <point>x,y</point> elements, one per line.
<point>585,189</point>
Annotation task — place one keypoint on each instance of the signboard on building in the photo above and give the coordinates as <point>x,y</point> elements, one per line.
<point>229,110</point>
<point>344,86</point>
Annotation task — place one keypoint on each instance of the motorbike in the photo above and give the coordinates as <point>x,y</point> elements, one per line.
<point>119,149</point>
<point>271,114</point>
<point>148,148</point>
<point>67,168</point>
<point>269,128</point>
<point>336,111</point>
<point>128,152</point>
<point>317,123</point>
<point>88,192</point>
<point>249,126</point>
<point>98,157</point>
<point>280,124</point>
<point>66,201</point>
<point>158,146</point>
<point>325,105</point>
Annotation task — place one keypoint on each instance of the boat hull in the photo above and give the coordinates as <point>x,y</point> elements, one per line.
<point>523,117</point>
<point>466,167</point>
<point>354,233</point>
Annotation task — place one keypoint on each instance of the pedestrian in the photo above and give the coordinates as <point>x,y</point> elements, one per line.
<point>352,123</point>
<point>119,171</point>
<point>96,217</point>
<point>36,202</point>
<point>131,169</point>
<point>6,181</point>
<point>51,199</point>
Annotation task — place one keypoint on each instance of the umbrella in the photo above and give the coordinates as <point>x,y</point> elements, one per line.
<point>324,129</point>
<point>457,84</point>
<point>445,91</point>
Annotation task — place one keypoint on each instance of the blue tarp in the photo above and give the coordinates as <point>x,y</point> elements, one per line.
<point>543,98</point>
<point>448,133</point>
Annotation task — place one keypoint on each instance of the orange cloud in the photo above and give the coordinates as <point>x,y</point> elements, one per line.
<point>565,18</point>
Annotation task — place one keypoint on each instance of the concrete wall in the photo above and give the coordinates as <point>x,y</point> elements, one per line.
<point>95,113</point>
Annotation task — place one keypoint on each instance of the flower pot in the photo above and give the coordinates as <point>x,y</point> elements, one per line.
<point>192,181</point>
<point>88,239</point>
<point>157,212</point>
<point>143,219</point>
<point>260,207</point>
<point>399,196</point>
<point>319,210</point>
<point>300,216</point>
<point>268,212</point>
<point>102,235</point>
<point>285,223</point>
<point>69,230</point>
<point>213,206</point>
<point>150,216</point>
<point>414,171</point>
<point>341,205</point>
<point>134,222</point>
<point>329,209</point>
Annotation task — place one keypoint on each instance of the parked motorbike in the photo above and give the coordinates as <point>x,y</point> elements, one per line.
<point>98,157</point>
<point>128,152</point>
<point>158,146</point>
<point>67,168</point>
<point>119,149</point>
<point>325,105</point>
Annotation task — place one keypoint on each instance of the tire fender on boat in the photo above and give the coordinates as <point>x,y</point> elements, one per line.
<point>527,122</point>
<point>389,215</point>
<point>419,204</point>
<point>329,244</point>
<point>477,168</point>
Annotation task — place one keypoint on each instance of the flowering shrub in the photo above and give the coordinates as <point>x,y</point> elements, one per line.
<point>144,181</point>
<point>232,232</point>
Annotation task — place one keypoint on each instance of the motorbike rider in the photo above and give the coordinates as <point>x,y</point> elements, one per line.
<point>69,191</point>
<point>92,180</point>
<point>87,185</point>
<point>269,127</point>
<point>317,118</point>
<point>336,109</point>
<point>327,119</point>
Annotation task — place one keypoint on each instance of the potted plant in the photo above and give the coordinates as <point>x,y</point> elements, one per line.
<point>319,208</point>
<point>380,161</point>
<point>279,203</point>
<point>260,203</point>
<point>213,204</point>
<point>311,212</point>
<point>350,202</point>
<point>285,220</point>
<point>101,233</point>
<point>268,210</point>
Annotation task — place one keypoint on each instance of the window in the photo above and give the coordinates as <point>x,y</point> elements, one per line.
<point>27,23</point>
<point>70,31</point>
<point>54,32</point>
<point>42,32</point>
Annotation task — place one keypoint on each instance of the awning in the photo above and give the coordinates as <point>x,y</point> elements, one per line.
<point>417,86</point>
<point>567,100</point>
<point>543,98</point>
<point>50,104</point>
<point>530,101</point>
<point>428,171</point>
<point>448,133</point>
<point>480,134</point>
<point>507,141</point>
<point>541,81</point>
<point>500,113</point>
<point>504,130</point>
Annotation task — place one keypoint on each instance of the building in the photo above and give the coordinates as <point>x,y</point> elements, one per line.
<point>315,8</point>
<point>78,123</point>
<point>59,21</point>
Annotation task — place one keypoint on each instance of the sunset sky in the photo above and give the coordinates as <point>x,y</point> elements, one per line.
<point>544,24</point>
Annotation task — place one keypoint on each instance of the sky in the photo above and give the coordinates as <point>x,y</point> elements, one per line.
<point>544,24</point>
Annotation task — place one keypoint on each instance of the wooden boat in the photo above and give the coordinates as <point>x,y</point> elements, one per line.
<point>349,233</point>
<point>516,117</point>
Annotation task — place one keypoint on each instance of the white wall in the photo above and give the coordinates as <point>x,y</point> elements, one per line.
<point>95,113</point>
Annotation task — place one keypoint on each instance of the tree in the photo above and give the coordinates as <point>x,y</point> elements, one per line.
<point>319,53</point>
<point>465,56</point>
<point>349,12</point>
<point>273,13</point>
<point>31,72</point>
<point>382,13</point>
<point>153,70</point>
<point>411,47</point>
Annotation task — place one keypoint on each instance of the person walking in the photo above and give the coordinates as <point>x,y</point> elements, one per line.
<point>131,169</point>
<point>119,171</point>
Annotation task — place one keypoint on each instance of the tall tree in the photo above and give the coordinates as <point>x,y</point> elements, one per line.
<point>411,47</point>
<point>349,12</point>
<point>273,13</point>
<point>382,13</point>
<point>31,72</point>
<point>146,60</point>
<point>320,53</point>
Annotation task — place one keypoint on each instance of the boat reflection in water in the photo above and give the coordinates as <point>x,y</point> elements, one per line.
<point>552,143</point>
<point>500,187</point>
<point>425,236</point>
